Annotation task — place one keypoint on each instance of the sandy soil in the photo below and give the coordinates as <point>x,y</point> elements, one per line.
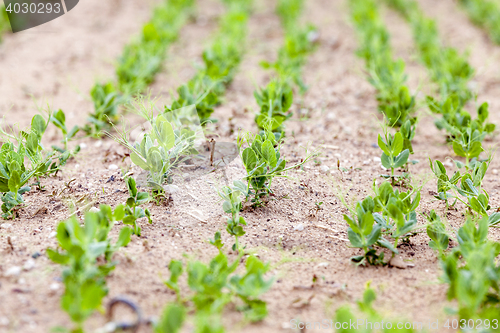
<point>58,64</point>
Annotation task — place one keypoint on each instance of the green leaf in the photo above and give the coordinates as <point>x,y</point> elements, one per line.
<point>383,146</point>
<point>354,238</point>
<point>171,320</point>
<point>14,181</point>
<point>249,159</point>
<point>386,161</point>
<point>124,237</point>
<point>268,153</point>
<point>457,148</point>
<point>401,159</point>
<point>397,144</point>
<point>139,161</point>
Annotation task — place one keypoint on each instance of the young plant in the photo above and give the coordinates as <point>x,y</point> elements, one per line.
<point>466,187</point>
<point>87,255</point>
<point>132,210</point>
<point>160,149</point>
<point>59,120</point>
<point>263,162</point>
<point>15,173</point>
<point>472,272</point>
<point>274,101</point>
<point>232,205</point>
<point>388,213</point>
<point>107,100</point>
<point>216,285</point>
<point>394,155</point>
<point>436,230</point>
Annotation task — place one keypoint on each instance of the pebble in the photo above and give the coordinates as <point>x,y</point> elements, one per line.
<point>98,143</point>
<point>35,255</point>
<point>4,321</point>
<point>171,189</point>
<point>376,159</point>
<point>83,145</point>
<point>113,167</point>
<point>54,286</point>
<point>94,210</point>
<point>324,168</point>
<point>53,234</point>
<point>6,225</point>
<point>299,227</point>
<point>495,171</point>
<point>398,262</point>
<point>29,265</point>
<point>13,271</point>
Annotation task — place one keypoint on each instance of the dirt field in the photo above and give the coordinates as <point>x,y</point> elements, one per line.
<point>57,64</point>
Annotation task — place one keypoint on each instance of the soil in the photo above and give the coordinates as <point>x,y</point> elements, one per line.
<point>56,64</point>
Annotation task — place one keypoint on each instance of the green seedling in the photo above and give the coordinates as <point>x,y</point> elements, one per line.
<point>394,155</point>
<point>132,210</point>
<point>87,254</point>
<point>15,172</point>
<point>59,120</point>
<point>216,285</point>
<point>436,230</point>
<point>106,100</point>
<point>274,101</point>
<point>345,317</point>
<point>472,272</point>
<point>160,148</point>
<point>232,205</point>
<point>388,213</point>
<point>466,187</point>
<point>263,162</point>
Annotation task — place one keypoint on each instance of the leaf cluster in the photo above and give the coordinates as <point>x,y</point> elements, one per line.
<point>388,213</point>
<point>87,253</point>
<point>472,272</point>
<point>132,211</point>
<point>214,287</point>
<point>15,172</point>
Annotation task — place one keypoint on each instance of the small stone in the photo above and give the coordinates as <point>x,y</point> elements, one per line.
<point>322,264</point>
<point>376,159</point>
<point>53,234</point>
<point>4,321</point>
<point>299,227</point>
<point>171,189</point>
<point>398,262</point>
<point>324,169</point>
<point>495,171</point>
<point>29,265</point>
<point>113,167</point>
<point>13,271</point>
<point>94,210</point>
<point>448,164</point>
<point>54,286</point>
<point>83,145</point>
<point>6,226</point>
<point>35,255</point>
<point>98,143</point>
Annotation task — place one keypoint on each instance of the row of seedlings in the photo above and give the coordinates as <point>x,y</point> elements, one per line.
<point>138,65</point>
